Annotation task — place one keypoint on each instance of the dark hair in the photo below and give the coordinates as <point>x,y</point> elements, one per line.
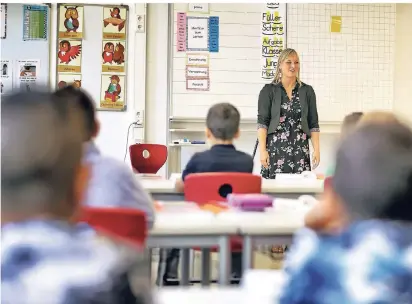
<point>79,97</point>
<point>40,150</point>
<point>351,120</point>
<point>373,173</point>
<point>223,121</point>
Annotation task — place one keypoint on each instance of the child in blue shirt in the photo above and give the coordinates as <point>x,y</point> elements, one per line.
<point>363,253</point>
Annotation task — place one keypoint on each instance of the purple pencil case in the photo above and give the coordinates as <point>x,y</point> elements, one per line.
<point>250,202</point>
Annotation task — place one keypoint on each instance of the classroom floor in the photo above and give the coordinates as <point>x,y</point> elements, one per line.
<point>261,261</point>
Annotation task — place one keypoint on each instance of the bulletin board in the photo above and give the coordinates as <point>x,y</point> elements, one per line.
<point>92,52</point>
<point>25,46</point>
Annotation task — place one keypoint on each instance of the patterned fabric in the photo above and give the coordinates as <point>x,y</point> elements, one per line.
<point>371,262</point>
<point>50,262</point>
<point>113,184</point>
<point>288,147</point>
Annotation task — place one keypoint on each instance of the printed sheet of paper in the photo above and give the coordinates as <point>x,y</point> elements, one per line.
<point>197,31</point>
<point>114,23</point>
<point>3,21</point>
<point>113,92</point>
<point>6,76</point>
<point>71,21</point>
<point>26,74</point>
<point>65,79</point>
<point>113,56</point>
<point>69,56</point>
<point>35,22</point>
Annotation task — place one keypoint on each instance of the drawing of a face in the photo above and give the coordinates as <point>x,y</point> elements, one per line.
<point>71,12</point>
<point>116,11</point>
<point>115,79</point>
<point>64,46</point>
<point>109,47</point>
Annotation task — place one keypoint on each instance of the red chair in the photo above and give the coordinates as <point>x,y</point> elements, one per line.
<point>147,158</point>
<point>202,188</point>
<point>128,225</point>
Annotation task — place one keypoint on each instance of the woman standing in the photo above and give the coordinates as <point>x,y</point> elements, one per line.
<point>287,119</point>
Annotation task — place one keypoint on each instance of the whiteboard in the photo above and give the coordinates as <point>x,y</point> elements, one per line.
<point>349,71</point>
<point>14,48</point>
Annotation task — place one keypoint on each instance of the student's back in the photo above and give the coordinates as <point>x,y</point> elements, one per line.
<point>44,257</point>
<point>222,128</point>
<point>365,253</point>
<point>112,183</point>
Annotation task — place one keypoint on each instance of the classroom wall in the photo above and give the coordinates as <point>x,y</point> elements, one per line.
<point>114,125</point>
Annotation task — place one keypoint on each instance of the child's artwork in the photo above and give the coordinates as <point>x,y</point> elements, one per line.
<point>113,56</point>
<point>113,93</point>
<point>64,80</point>
<point>114,22</point>
<point>69,56</point>
<point>70,21</point>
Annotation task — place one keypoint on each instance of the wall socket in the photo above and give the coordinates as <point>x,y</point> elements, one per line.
<point>140,24</point>
<point>139,118</point>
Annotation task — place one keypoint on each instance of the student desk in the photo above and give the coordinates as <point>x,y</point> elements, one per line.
<point>177,227</point>
<point>188,229</point>
<point>164,190</point>
<point>211,295</point>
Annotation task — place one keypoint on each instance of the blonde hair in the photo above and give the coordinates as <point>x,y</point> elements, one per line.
<point>282,57</point>
<point>378,117</point>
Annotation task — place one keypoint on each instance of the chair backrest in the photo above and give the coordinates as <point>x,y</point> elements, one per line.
<point>148,158</point>
<point>206,187</point>
<point>126,224</point>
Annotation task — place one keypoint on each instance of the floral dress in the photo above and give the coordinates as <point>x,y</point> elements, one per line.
<point>288,146</point>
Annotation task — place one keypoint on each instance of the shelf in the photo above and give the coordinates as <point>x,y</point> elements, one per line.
<point>182,130</point>
<point>186,145</point>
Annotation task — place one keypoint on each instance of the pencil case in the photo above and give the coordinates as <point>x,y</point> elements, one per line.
<point>250,202</point>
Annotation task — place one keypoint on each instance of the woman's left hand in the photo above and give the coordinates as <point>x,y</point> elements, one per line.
<point>315,159</point>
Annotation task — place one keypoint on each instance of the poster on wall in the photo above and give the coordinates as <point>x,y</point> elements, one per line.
<point>35,22</point>
<point>197,32</point>
<point>273,37</point>
<point>114,23</point>
<point>181,32</point>
<point>71,21</point>
<point>3,20</point>
<point>213,34</point>
<point>6,83</point>
<point>27,73</point>
<point>69,56</point>
<point>113,56</point>
<point>64,80</point>
<point>113,92</point>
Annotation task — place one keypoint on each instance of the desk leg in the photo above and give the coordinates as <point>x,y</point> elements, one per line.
<point>224,261</point>
<point>205,266</point>
<point>185,267</point>
<point>247,258</point>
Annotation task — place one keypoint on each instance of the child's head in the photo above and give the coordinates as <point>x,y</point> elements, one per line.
<point>41,176</point>
<point>350,122</point>
<point>222,123</point>
<point>378,117</point>
<point>373,177</point>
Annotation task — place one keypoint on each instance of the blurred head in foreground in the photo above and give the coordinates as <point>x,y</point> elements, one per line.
<point>372,180</point>
<point>378,117</point>
<point>41,149</point>
<point>350,122</point>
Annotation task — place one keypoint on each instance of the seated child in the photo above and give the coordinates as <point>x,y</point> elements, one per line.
<point>363,255</point>
<point>349,123</point>
<point>222,127</point>
<point>44,257</point>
